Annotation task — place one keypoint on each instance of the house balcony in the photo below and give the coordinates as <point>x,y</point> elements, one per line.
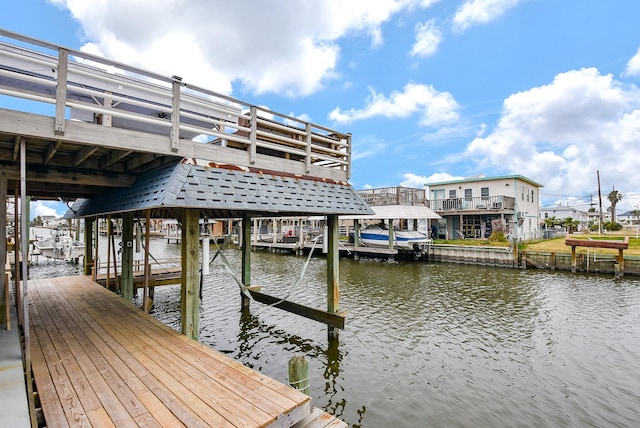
<point>474,205</point>
<point>385,196</point>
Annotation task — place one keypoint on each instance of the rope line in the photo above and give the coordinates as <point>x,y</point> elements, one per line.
<point>243,288</point>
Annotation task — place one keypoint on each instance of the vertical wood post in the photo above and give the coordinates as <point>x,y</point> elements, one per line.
<point>146,304</point>
<point>246,259</point>
<point>109,232</point>
<point>88,245</point>
<point>189,302</point>
<point>299,373</point>
<point>96,238</point>
<point>4,279</point>
<point>127,257</point>
<point>16,253</point>
<point>573,258</point>
<point>333,271</point>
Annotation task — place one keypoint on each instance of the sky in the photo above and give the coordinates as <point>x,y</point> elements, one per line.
<point>431,90</point>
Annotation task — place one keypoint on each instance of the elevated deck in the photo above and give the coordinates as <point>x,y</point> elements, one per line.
<point>99,361</point>
<point>109,122</point>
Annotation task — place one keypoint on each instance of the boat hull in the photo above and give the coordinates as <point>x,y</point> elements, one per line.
<point>405,239</point>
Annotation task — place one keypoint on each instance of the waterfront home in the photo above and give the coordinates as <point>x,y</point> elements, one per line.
<point>476,207</point>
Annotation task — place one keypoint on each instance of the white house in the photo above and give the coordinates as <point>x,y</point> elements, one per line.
<point>476,207</point>
<point>560,212</point>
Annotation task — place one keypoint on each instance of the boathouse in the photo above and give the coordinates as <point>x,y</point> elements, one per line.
<point>134,144</point>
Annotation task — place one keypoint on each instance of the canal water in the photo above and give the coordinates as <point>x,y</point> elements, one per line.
<point>433,345</point>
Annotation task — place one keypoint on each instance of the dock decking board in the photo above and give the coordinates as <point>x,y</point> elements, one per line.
<point>98,360</point>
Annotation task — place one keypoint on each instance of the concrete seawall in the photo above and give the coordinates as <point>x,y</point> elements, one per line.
<point>591,262</point>
<point>486,256</point>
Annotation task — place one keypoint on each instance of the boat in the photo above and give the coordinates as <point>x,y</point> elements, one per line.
<point>59,246</point>
<point>378,236</point>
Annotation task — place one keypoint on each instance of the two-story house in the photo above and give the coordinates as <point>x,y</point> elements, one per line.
<point>476,207</point>
<point>560,213</point>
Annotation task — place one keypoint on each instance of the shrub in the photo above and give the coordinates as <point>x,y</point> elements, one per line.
<point>497,236</point>
<point>612,226</point>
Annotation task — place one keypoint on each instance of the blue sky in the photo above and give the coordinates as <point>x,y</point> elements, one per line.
<point>431,90</point>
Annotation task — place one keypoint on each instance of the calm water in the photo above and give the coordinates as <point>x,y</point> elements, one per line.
<point>434,345</point>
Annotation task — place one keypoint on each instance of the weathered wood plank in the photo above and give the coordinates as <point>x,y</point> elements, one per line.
<point>141,371</point>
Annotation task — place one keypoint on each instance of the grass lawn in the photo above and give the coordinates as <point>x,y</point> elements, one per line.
<point>557,244</point>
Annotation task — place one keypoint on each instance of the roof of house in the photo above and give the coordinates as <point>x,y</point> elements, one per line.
<point>478,179</point>
<point>224,191</point>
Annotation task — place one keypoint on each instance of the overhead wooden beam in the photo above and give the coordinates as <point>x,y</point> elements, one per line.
<point>83,154</point>
<point>51,174</point>
<point>114,156</point>
<point>51,151</point>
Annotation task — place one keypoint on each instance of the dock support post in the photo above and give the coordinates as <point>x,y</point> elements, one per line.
<point>127,257</point>
<point>246,259</point>
<point>573,258</point>
<point>333,271</point>
<point>4,278</point>
<point>299,373</point>
<point>619,270</point>
<point>88,245</point>
<point>189,302</point>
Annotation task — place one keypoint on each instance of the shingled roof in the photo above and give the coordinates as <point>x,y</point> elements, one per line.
<point>224,191</point>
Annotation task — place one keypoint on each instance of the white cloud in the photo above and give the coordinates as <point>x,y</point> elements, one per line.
<point>633,66</point>
<point>413,181</point>
<point>560,134</point>
<point>428,37</point>
<point>47,208</point>
<point>218,44</point>
<point>439,177</point>
<point>474,12</point>
<point>436,108</point>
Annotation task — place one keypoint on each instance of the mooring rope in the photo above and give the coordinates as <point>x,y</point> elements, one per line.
<point>245,291</point>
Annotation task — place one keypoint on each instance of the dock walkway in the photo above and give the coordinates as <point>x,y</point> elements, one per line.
<point>99,361</point>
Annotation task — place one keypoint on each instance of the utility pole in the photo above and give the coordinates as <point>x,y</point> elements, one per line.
<point>600,199</point>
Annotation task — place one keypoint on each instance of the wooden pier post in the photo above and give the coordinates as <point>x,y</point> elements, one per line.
<point>89,261</point>
<point>189,302</point>
<point>573,258</point>
<point>333,271</point>
<point>4,278</point>
<point>246,258</point>
<point>299,373</point>
<point>127,257</point>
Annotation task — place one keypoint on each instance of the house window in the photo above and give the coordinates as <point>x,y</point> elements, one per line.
<point>484,192</point>
<point>532,196</point>
<point>452,193</point>
<point>467,193</point>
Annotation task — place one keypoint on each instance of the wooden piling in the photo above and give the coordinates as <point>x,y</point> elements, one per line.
<point>190,303</point>
<point>299,373</point>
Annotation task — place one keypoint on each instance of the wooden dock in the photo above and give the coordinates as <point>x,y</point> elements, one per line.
<point>100,361</point>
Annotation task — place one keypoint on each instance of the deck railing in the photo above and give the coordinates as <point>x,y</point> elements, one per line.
<point>394,196</point>
<point>92,89</point>
<point>495,203</point>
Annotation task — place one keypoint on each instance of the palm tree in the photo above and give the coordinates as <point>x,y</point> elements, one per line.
<point>636,214</point>
<point>614,197</point>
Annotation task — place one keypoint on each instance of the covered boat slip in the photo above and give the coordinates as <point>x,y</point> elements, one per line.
<point>97,360</point>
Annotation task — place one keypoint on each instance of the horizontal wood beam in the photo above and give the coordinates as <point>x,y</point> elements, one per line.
<point>334,320</point>
<point>58,175</point>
